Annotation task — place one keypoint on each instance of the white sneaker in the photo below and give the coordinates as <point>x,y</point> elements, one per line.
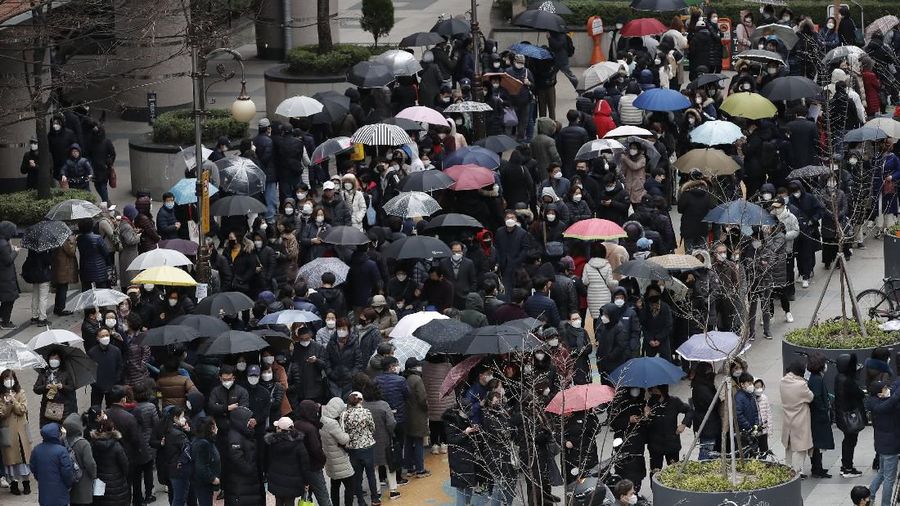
<point>805,283</point>
<point>444,449</point>
<point>788,317</point>
<point>435,449</point>
<point>3,482</point>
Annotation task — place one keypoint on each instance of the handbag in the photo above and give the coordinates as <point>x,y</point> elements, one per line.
<point>509,117</point>
<point>113,177</point>
<point>304,502</point>
<point>888,187</point>
<point>852,422</point>
<point>54,411</point>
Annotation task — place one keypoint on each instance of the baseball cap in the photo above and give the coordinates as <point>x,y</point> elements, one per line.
<point>284,423</point>
<point>378,300</point>
<point>253,370</point>
<point>328,185</point>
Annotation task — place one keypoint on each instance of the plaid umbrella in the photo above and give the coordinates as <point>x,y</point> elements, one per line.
<point>426,181</point>
<point>230,303</point>
<point>14,354</point>
<point>380,134</point>
<point>96,297</point>
<point>51,337</point>
<point>409,323</point>
<point>676,262</point>
<point>441,334</point>
<point>421,39</point>
<point>312,271</point>
<point>185,191</point>
<point>468,107</point>
<point>400,62</point>
<point>411,204</point>
<point>240,176</point>
<point>712,346</point>
<point>881,25</point>
<point>580,398</point>
<point>72,209</point>
<point>46,235</point>
<point>409,346</point>
<point>289,317</point>
<point>458,373</point>
<point>299,106</point>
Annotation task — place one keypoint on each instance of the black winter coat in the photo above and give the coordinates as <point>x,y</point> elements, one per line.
<point>112,468</point>
<point>307,380</point>
<point>92,251</point>
<point>342,363</point>
<point>287,461</point>
<point>702,395</point>
<point>693,204</point>
<point>848,395</point>
<point>570,139</point>
<point>243,270</point>
<point>804,143</point>
<point>101,153</point>
<point>171,453</point>
<point>661,435</point>
<point>820,419</point>
<point>617,210</point>
<point>127,426</point>
<point>466,471</point>
<point>245,487</point>
<point>36,268</point>
<point>59,143</point>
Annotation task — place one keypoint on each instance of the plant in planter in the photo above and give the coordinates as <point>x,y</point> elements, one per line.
<point>25,208</point>
<point>177,127</point>
<point>306,60</point>
<point>833,335</point>
<point>894,230</point>
<point>706,476</point>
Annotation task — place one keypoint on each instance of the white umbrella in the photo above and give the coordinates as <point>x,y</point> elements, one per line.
<point>299,106</point>
<point>409,323</point>
<point>400,62</point>
<point>410,204</point>
<point>53,336</point>
<point>627,131</point>
<point>14,354</point>
<point>599,73</point>
<point>96,297</point>
<point>158,258</point>
<point>712,346</point>
<point>887,125</point>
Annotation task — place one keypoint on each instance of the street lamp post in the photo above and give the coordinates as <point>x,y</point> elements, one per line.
<point>477,88</point>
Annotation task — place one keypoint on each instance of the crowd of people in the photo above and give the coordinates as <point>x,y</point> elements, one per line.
<point>337,403</point>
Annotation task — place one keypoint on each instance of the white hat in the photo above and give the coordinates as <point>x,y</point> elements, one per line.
<point>284,423</point>
<point>328,185</point>
<point>356,394</point>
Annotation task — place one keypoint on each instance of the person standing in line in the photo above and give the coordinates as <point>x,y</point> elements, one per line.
<point>14,419</point>
<point>52,467</point>
<point>848,398</point>
<point>884,403</point>
<point>288,462</point>
<point>9,284</point>
<point>357,421</point>
<point>796,434</point>
<point>337,462</point>
<point>206,460</point>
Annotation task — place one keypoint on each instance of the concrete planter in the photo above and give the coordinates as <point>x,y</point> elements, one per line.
<point>791,352</point>
<point>507,35</point>
<point>786,493</point>
<point>891,256</point>
<point>154,167</point>
<point>281,85</point>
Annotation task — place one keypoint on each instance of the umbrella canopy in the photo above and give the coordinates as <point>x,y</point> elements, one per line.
<point>407,125</point>
<point>53,336</point>
<point>165,275</point>
<point>676,262</point>
<point>417,247</point>
<point>344,235</point>
<point>650,151</point>
<point>72,209</point>
<point>183,246</point>
<point>170,334</point>
<point>646,372</point>
<point>411,204</point>
<point>81,369</point>
<point>476,155</point>
<point>299,106</point>
<point>369,74</point>
<point>541,20</point>
<point>643,269</point>
<point>580,398</point>
<point>761,56</point>
<point>710,162</point>
<point>809,172</point>
<point>529,50</point>
<point>45,235</point>
<point>791,88</point>
<point>411,322</point>
<point>716,132</point>
<point>96,297</point>
<point>423,114</point>
<point>713,346</point>
<point>236,205</point>
<point>233,342</point>
<point>205,325</point>
<point>453,220</point>
<point>890,126</point>
<point>628,131</point>
<point>865,134</point>
<point>240,176</point>
<point>15,355</point>
<point>550,6</point>
<point>841,52</point>
<point>441,334</point>
<point>185,191</point>
<point>289,317</point>
<point>229,303</point>
<point>450,27</point>
<point>496,340</point>
<point>643,26</point>
<point>421,39</point>
<point>595,148</point>
<point>599,73</point>
<point>498,143</point>
<point>658,5</point>
<point>469,177</point>
<point>748,105</point>
<point>739,212</point>
<point>704,79</point>
<point>458,373</point>
<point>312,271</point>
<point>276,338</point>
<point>426,181</point>
<point>335,107</point>
<point>594,229</point>
<point>400,62</point>
<point>406,347</point>
<point>381,134</point>
<point>524,324</point>
<point>662,99</point>
<point>468,107</point>
<point>881,25</point>
<point>507,82</point>
<point>784,33</point>
<point>187,156</point>
<point>331,147</point>
<point>157,258</point>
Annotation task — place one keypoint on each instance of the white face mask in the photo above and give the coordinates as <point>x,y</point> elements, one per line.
<point>301,195</point>
<point>342,333</point>
<point>149,287</point>
<point>546,391</point>
<point>187,404</point>
<point>633,152</point>
<point>173,302</point>
<point>9,383</point>
<point>634,392</point>
<point>557,175</point>
<point>305,344</point>
<point>830,26</point>
<point>269,360</point>
<point>737,373</point>
<point>57,127</point>
<point>258,244</point>
<point>181,421</point>
<point>632,499</point>
<point>227,384</point>
<point>241,366</point>
<point>749,389</point>
<point>619,302</point>
<point>267,376</point>
<point>553,342</point>
<point>853,160</point>
<point>551,218</point>
<point>576,197</point>
<point>263,226</point>
<point>610,188</point>
<point>772,70</point>
<point>604,319</point>
<point>796,195</point>
<point>103,340</point>
<point>510,223</point>
<point>53,362</point>
<point>456,256</point>
<point>253,380</point>
<point>713,20</point>
<point>110,322</point>
<point>320,220</point>
<point>722,256</point>
<point>767,196</point>
<point>528,368</point>
<point>34,147</point>
<point>289,211</point>
<point>330,323</point>
<point>519,65</point>
<point>348,186</point>
<point>539,356</point>
<point>756,244</point>
<point>758,391</point>
<point>575,323</point>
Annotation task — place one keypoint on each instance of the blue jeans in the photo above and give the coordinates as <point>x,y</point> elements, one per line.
<point>317,488</point>
<point>501,495</point>
<point>102,190</point>
<point>179,488</point>
<point>887,473</point>
<point>468,497</point>
<point>414,454</point>
<point>203,493</point>
<point>271,196</point>
<point>706,445</point>
<point>363,459</point>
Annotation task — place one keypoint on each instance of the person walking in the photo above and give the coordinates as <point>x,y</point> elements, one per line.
<point>37,271</point>
<point>52,467</point>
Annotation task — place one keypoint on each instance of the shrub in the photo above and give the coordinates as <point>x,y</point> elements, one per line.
<point>707,476</point>
<point>377,17</point>
<point>827,335</point>
<point>304,60</point>
<point>25,208</point>
<point>177,127</point>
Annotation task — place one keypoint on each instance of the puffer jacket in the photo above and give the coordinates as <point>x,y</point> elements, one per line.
<point>543,146</point>
<point>112,468</point>
<point>334,441</point>
<point>433,375</point>
<point>597,277</point>
<point>628,113</point>
<point>173,388</point>
<point>848,396</point>
<point>93,253</point>
<point>395,391</point>
<point>286,463</point>
<point>243,456</point>
<point>147,419</point>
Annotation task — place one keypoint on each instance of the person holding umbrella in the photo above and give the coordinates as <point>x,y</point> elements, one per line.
<point>57,390</point>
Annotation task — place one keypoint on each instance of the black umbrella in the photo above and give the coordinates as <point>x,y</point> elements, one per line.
<point>237,205</point>
<point>205,325</point>
<point>343,235</point>
<point>453,220</point>
<point>524,324</point>
<point>498,143</point>
<point>421,39</point>
<point>550,6</point>
<point>231,303</point>
<point>450,27</point>
<point>704,79</point>
<point>233,342</point>
<point>441,334</point>
<point>541,20</point>
<point>169,334</point>
<point>276,338</point>
<point>791,88</point>
<point>418,247</point>
<point>496,340</point>
<point>640,268</point>
<point>426,181</point>
<point>82,370</point>
<point>808,172</point>
<point>658,5</point>
<point>334,107</point>
<point>367,74</point>
<point>46,235</point>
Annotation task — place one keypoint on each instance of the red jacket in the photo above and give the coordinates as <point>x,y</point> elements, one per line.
<point>603,118</point>
<point>872,86</point>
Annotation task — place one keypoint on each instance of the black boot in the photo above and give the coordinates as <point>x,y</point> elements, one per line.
<point>26,487</point>
<point>14,488</point>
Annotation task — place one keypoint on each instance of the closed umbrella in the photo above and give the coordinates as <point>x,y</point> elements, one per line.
<point>417,247</point>
<point>496,340</point>
<point>662,99</point>
<point>553,6</point>
<point>289,317</point>
<point>344,235</point>
<point>739,212</point>
<point>312,271</point>
<point>240,176</point>
<point>409,346</point>
<point>450,27</point>
<point>441,334</point>
<point>785,33</point>
<point>299,106</point>
<point>419,39</point>
<point>15,355</point>
<point>229,303</point>
<point>205,325</point>
<point>531,51</point>
<point>165,276</point>
<point>411,204</point>
<point>423,114</point>
<point>580,398</point>
<point>677,262</point>
<point>453,220</point>
<point>594,229</point>
<point>713,346</point>
<point>426,181</point>
<point>401,63</point>
<point>183,246</point>
<point>628,131</point>
<point>643,269</point>
<point>643,26</point>
<point>96,297</point>
<point>458,374</point>
<point>646,372</point>
<point>185,191</point>
<point>658,5</point>
<point>72,209</point>
<point>791,88</point>
<point>709,162</point>
<point>888,125</point>
<point>468,106</point>
<point>335,107</point>
<point>380,134</point>
<point>599,73</point>
<point>716,132</point>
<point>498,143</point>
<point>236,205</point>
<point>748,105</point>
<point>473,155</point>
<point>469,177</point>
<point>157,258</point>
<point>169,334</point>
<point>233,342</point>
<point>411,322</point>
<point>53,336</point>
<point>82,370</point>
<point>46,235</point>
<point>331,147</point>
<point>369,74</point>
<point>541,20</point>
<point>865,134</point>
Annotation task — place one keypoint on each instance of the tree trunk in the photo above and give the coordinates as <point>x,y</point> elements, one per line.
<point>324,26</point>
<point>40,98</point>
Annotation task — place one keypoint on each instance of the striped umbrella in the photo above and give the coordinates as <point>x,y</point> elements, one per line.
<point>380,134</point>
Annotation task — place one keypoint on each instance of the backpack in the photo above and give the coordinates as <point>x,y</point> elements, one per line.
<point>570,46</point>
<point>77,472</point>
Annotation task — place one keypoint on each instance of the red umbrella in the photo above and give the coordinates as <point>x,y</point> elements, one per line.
<point>458,373</point>
<point>580,398</point>
<point>643,26</point>
<point>594,229</point>
<point>469,177</point>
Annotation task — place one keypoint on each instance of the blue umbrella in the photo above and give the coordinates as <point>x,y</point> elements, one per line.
<point>646,372</point>
<point>739,212</point>
<point>714,133</point>
<point>864,134</point>
<point>473,154</point>
<point>531,51</point>
<point>185,191</point>
<point>661,99</point>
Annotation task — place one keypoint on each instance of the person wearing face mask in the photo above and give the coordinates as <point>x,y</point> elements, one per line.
<point>355,199</point>
<point>129,241</point>
<point>225,398</point>
<point>809,212</point>
<point>342,359</point>
<point>833,199</point>
<point>55,386</point>
<point>59,138</point>
<point>260,402</point>
<point>624,493</point>
<point>703,393</point>
<point>746,409</point>
<point>17,449</point>
<point>401,288</point>
<point>574,338</point>
<point>663,428</point>
<point>30,164</point>
<point>569,141</point>
<point>848,399</point>
<point>465,475</point>
<point>417,419</point>
<point>743,31</point>
<point>634,166</point>
<point>274,389</point>
<point>110,365</point>
<point>628,423</point>
<point>820,421</point>
<point>510,242</point>
<point>614,349</point>
<point>238,253</point>
<point>305,374</point>
<point>396,392</point>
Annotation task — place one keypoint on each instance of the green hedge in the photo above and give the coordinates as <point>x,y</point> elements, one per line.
<point>827,335</point>
<point>177,127</point>
<point>25,208</point>
<point>304,60</point>
<point>707,476</point>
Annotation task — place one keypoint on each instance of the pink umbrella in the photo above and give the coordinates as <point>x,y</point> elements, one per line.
<point>458,373</point>
<point>469,177</point>
<point>594,229</point>
<point>423,114</point>
<point>580,398</point>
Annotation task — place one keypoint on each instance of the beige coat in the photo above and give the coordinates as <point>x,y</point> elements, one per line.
<point>13,416</point>
<point>795,398</point>
<point>65,263</point>
<point>635,176</point>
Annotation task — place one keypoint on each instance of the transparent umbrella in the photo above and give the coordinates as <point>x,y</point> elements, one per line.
<point>46,235</point>
<point>240,176</point>
<point>410,204</point>
<point>96,297</point>
<point>14,354</point>
<point>189,157</point>
<point>400,62</point>
<point>72,209</point>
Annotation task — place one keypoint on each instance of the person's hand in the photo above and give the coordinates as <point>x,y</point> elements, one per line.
<point>606,202</point>
<point>889,177</point>
<point>569,445</point>
<point>215,481</point>
<point>177,225</point>
<point>654,343</point>
<point>63,179</point>
<point>16,248</point>
<point>680,428</point>
<point>311,360</point>
<point>647,410</point>
<point>259,268</point>
<point>633,419</point>
<point>315,240</point>
<point>31,164</point>
<point>470,430</point>
<point>232,407</point>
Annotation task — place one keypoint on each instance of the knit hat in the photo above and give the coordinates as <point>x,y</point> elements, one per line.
<point>284,423</point>
<point>838,76</point>
<point>264,123</point>
<point>378,301</point>
<point>644,244</point>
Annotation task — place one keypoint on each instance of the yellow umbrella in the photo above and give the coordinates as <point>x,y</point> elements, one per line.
<point>748,105</point>
<point>164,275</point>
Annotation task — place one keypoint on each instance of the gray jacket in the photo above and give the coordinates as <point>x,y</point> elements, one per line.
<point>334,441</point>
<point>384,429</point>
<point>82,492</point>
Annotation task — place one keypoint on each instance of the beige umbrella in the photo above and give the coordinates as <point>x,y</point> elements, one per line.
<point>710,162</point>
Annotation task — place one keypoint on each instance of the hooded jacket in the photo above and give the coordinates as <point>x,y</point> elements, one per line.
<point>52,468</point>
<point>848,396</point>
<point>243,455</point>
<point>613,347</point>
<point>287,462</point>
<point>82,491</point>
<point>334,441</point>
<point>473,314</point>
<point>9,284</point>
<point>543,146</point>
<point>694,201</point>
<point>112,468</point>
<point>603,119</point>
<point>308,422</point>
<point>518,185</point>
<point>597,276</point>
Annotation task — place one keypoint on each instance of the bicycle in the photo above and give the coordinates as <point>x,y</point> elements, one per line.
<point>881,304</point>
<point>750,449</point>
